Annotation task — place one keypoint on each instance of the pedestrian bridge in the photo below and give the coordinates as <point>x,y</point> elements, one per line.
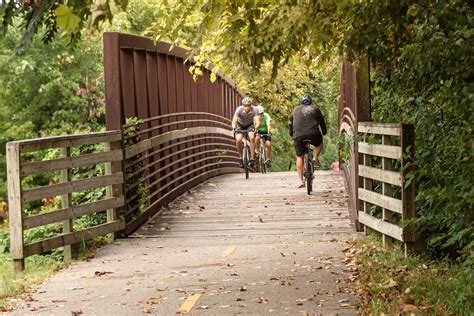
<point>198,231</point>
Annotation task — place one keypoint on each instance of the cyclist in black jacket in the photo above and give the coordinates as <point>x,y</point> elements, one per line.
<point>306,122</point>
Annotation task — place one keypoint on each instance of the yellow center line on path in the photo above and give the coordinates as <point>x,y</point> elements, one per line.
<point>188,304</point>
<point>228,251</point>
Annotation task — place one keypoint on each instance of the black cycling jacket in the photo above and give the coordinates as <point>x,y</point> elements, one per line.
<point>306,120</point>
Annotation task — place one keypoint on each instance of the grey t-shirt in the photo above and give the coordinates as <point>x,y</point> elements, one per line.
<point>245,119</point>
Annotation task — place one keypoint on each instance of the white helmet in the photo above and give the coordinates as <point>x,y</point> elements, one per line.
<point>260,109</point>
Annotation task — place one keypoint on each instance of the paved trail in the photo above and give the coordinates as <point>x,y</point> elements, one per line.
<point>248,247</point>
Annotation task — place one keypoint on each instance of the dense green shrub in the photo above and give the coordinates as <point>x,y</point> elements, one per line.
<point>429,83</point>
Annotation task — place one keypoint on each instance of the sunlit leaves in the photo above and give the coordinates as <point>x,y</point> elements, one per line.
<point>66,19</point>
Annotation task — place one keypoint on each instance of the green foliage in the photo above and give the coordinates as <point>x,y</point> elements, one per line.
<point>430,83</point>
<point>50,90</point>
<point>37,269</point>
<point>53,17</point>
<point>391,283</point>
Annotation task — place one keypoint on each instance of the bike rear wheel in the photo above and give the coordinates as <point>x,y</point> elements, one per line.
<point>263,158</point>
<point>308,174</point>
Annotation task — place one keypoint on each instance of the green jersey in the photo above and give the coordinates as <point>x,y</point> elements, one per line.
<point>263,128</point>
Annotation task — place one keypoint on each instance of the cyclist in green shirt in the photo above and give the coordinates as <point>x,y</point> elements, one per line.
<point>264,131</point>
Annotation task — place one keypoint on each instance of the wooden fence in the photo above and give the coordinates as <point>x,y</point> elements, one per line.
<point>20,167</point>
<point>387,192</point>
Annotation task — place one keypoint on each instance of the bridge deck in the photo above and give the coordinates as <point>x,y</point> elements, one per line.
<point>250,247</point>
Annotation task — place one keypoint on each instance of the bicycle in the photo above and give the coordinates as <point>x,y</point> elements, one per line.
<point>262,155</point>
<point>308,167</point>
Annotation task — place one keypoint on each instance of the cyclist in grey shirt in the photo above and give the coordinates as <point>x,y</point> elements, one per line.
<point>243,122</point>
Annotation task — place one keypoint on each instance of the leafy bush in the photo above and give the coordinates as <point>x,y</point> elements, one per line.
<point>430,84</point>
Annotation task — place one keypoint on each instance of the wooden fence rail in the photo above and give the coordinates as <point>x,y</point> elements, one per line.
<point>386,193</point>
<point>18,167</point>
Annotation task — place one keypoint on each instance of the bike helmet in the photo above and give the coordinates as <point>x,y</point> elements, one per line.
<point>260,109</point>
<point>306,100</point>
<point>247,101</point>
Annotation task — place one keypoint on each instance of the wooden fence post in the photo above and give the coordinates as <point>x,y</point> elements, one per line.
<point>65,203</point>
<point>408,191</point>
<point>15,205</point>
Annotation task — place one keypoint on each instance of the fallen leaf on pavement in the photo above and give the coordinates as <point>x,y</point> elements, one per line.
<point>263,300</point>
<point>101,273</point>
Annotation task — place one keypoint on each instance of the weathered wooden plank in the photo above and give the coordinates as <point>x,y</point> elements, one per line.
<point>72,212</point>
<point>377,174</point>
<point>172,135</point>
<point>70,162</point>
<point>387,202</point>
<point>380,225</point>
<point>68,141</point>
<point>14,204</point>
<point>72,238</point>
<point>379,128</point>
<point>385,151</point>
<point>69,187</point>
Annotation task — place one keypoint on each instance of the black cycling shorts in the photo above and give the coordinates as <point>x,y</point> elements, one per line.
<point>240,129</point>
<point>265,136</point>
<point>300,148</point>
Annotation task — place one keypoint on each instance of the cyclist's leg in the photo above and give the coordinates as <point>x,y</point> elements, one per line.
<point>317,142</point>
<point>300,149</point>
<point>238,143</point>
<point>299,169</point>
<point>252,145</point>
<point>257,142</point>
<point>268,145</point>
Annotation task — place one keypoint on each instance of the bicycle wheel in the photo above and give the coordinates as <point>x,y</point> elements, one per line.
<point>246,160</point>
<point>309,174</point>
<point>263,157</point>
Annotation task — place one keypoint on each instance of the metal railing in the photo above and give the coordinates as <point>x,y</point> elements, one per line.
<point>163,160</point>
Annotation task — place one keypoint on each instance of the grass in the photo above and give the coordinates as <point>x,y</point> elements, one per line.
<point>14,284</point>
<point>389,283</point>
<point>37,269</point>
